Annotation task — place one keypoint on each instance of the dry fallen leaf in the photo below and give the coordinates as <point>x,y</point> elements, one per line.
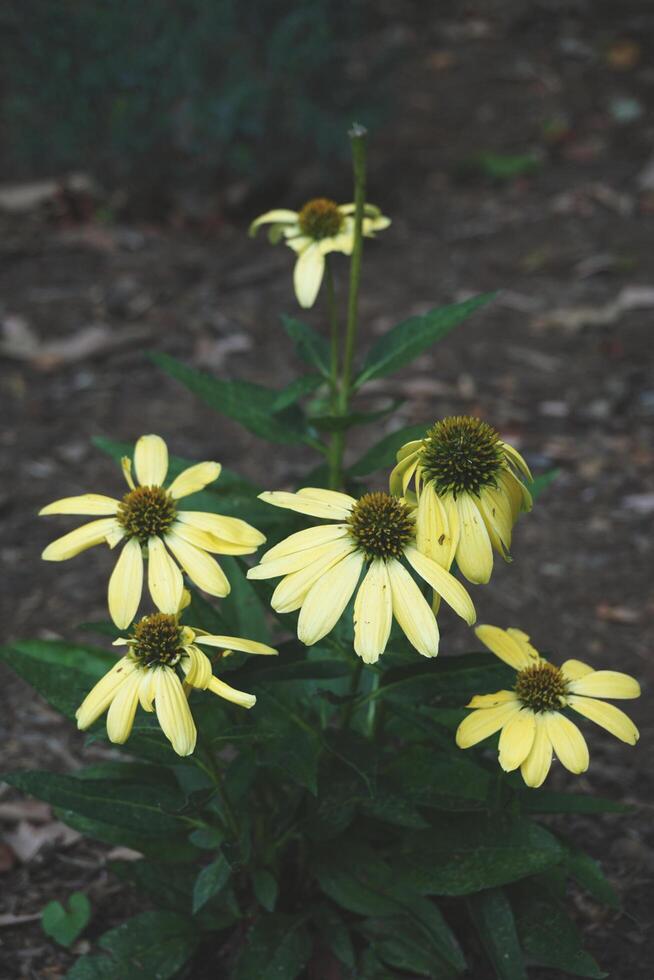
<point>27,840</point>
<point>621,615</point>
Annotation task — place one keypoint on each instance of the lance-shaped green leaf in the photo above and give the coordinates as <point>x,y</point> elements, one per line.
<point>211,880</point>
<point>410,338</point>
<point>492,915</point>
<point>590,876</point>
<point>63,687</point>
<point>311,346</point>
<point>277,947</point>
<point>383,453</point>
<point>265,888</point>
<point>341,423</point>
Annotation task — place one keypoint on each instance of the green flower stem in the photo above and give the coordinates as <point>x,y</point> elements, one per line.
<point>354,690</point>
<point>334,455</point>
<point>212,769</point>
<point>372,708</point>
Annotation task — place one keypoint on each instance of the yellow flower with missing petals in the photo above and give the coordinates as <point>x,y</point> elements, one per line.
<point>469,493</point>
<point>163,664</point>
<point>530,716</point>
<point>322,226</point>
<point>147,521</point>
<point>321,568</point>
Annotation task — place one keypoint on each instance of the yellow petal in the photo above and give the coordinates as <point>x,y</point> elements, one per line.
<point>607,716</point>
<point>327,598</point>
<point>126,584</point>
<point>373,613</point>
<point>606,684</point>
<point>207,542</point>
<point>573,669</point>
<point>443,583</point>
<point>304,505</point>
<point>126,466</point>
<point>307,275</point>
<point>280,216</point>
<point>86,503</point>
<point>231,528</point>
<point>102,694</point>
<point>567,741</point>
<point>412,611</point>
<point>291,591</point>
<point>151,461</point>
<point>403,471</point>
<point>504,646</point>
<point>123,708</point>
<point>200,567</point>
<point>173,712</point>
<point>311,537</point>
<point>193,479</point>
<point>236,643</point>
<point>77,541</point>
<point>537,764</point>
<point>197,668</point>
<point>518,493</point>
<point>164,578</point>
<point>434,536</point>
<point>146,690</point>
<point>289,563</point>
<point>517,739</point>
<point>491,700</point>
<point>330,497</point>
<point>231,694</point>
<point>474,554</point>
<point>483,722</point>
<point>523,642</point>
<point>517,460</point>
<point>498,518</point>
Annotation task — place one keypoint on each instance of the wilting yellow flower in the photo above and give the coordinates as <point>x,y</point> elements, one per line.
<point>145,518</point>
<point>321,226</point>
<point>163,664</point>
<point>469,494</point>
<point>322,566</point>
<point>532,725</point>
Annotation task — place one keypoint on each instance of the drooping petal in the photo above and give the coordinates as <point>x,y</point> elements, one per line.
<point>518,461</point>
<point>102,694</point>
<point>607,716</point>
<point>194,478</point>
<point>492,700</point>
<point>521,497</point>
<point>164,578</point>
<point>77,541</point>
<point>567,741</point>
<point>443,583</point>
<point>343,242</point>
<point>126,466</point>
<point>223,690</point>
<point>434,536</point>
<point>146,690</point>
<point>606,684</point>
<point>151,461</point>
<point>86,504</point>
<point>173,712</point>
<point>231,528</point>
<point>474,554</point>
<point>537,764</point>
<point>373,613</point>
<point>404,469</point>
<point>200,567</point>
<point>289,563</point>
<point>207,542</point>
<point>235,643</point>
<point>503,646</point>
<point>291,591</point>
<point>126,584</point>
<point>327,598</point>
<point>305,505</point>
<point>123,708</point>
<point>483,722</point>
<point>282,216</point>
<point>412,611</point>
<point>517,739</point>
<point>311,537</point>
<point>197,668</point>
<point>307,274</point>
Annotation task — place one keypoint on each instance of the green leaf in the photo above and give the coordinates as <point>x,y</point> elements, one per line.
<point>90,660</point>
<point>63,687</point>
<point>413,336</point>
<point>398,942</point>
<point>64,925</point>
<point>458,678</point>
<point>383,453</point>
<point>292,393</point>
<point>493,917</point>
<point>265,888</point>
<point>550,801</point>
<point>277,947</point>
<point>334,933</point>
<point>136,807</point>
<point>211,880</point>
<point>429,778</point>
<point>548,936</point>
<point>250,404</point>
<point>207,838</point>
<point>590,876</point>
<point>542,482</point>
<point>466,853</point>
<point>309,344</point>
<point>341,423</point>
<point>152,945</point>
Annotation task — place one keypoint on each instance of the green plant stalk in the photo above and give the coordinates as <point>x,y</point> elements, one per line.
<point>333,456</point>
<point>354,688</point>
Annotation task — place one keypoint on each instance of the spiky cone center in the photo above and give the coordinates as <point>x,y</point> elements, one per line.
<point>320,218</point>
<point>381,525</point>
<point>542,687</point>
<point>156,641</point>
<point>145,512</point>
<point>461,454</point>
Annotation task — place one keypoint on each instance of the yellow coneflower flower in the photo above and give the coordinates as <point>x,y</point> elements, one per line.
<point>529,717</point>
<point>163,664</point>
<point>321,226</point>
<point>322,566</point>
<point>469,494</point>
<point>147,520</point>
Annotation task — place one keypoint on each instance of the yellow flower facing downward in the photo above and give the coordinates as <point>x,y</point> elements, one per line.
<point>530,716</point>
<point>321,568</point>
<point>147,522</point>
<point>322,226</point>
<point>163,664</point>
<point>468,490</point>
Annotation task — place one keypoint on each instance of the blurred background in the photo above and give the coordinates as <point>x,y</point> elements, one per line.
<point>513,146</point>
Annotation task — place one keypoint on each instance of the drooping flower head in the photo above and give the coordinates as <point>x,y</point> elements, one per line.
<point>322,565</point>
<point>320,227</point>
<point>531,718</point>
<point>163,664</point>
<point>469,490</point>
<point>147,522</point>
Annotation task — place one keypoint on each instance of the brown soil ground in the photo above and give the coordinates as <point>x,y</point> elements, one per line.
<point>572,390</point>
